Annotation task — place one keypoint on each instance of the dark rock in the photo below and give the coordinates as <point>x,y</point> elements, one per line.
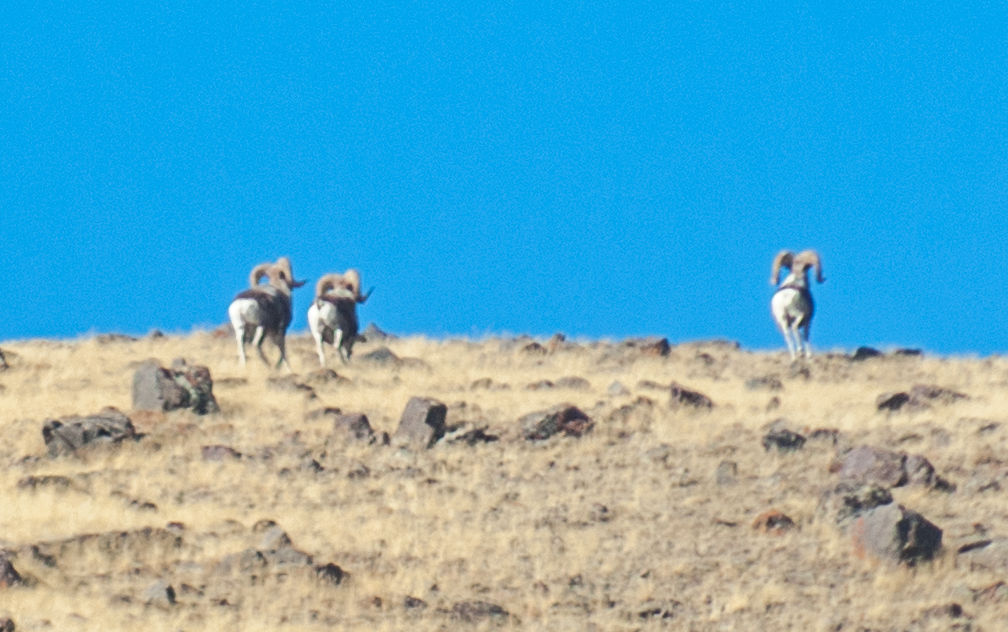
<point>534,348</point>
<point>322,377</point>
<point>658,611</point>
<point>412,603</point>
<point>564,418</point>
<point>219,453</point>
<point>155,334</point>
<point>159,389</point>
<point>160,594</point>
<point>850,499</point>
<point>654,386</point>
<point>865,464</point>
<point>382,356</point>
<point>890,532</point>
<point>909,353</point>
<point>892,401</point>
<point>354,425</point>
<point>773,521</point>
<point>6,625</point>
<point>830,435</point>
<point>474,436</point>
<point>291,384</point>
<point>3,361</point>
<point>574,383</point>
<point>945,611</point>
<point>358,471</point>
<point>726,473</point>
<point>784,440</point>
<point>919,471</point>
<point>556,342</point>
<point>272,537</point>
<point>653,346</point>
<point>685,398</point>
<point>35,482</point>
<point>8,574</point>
<point>864,353</point>
<point>422,422</point>
<point>105,339</point>
<point>476,611</point>
<point>764,383</point>
<point>373,334</point>
<point>330,573</point>
<point>69,435</point>
<point>617,390</point>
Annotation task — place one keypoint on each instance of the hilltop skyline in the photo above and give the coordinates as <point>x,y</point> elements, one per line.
<point>598,171</point>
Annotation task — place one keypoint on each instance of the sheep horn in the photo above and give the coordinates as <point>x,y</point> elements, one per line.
<point>810,258</point>
<point>327,283</point>
<point>259,272</point>
<point>284,265</point>
<point>784,259</point>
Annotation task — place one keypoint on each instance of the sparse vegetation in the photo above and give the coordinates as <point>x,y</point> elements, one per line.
<point>661,515</point>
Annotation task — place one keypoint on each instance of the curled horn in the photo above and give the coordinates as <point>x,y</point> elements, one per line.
<point>810,258</point>
<point>283,264</point>
<point>353,283</point>
<point>328,282</point>
<point>258,272</point>
<point>784,259</point>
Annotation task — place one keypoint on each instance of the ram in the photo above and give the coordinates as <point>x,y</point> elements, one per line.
<point>265,310</point>
<point>792,304</point>
<point>332,316</point>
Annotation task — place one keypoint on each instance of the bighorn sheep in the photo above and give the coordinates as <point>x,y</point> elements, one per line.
<point>265,310</point>
<point>333,315</point>
<point>792,304</point>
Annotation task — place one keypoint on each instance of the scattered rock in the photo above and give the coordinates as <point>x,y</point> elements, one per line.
<point>556,342</point>
<point>412,603</point>
<point>159,389</point>
<point>654,386</point>
<point>219,453</point>
<point>990,555</point>
<point>726,473</point>
<point>534,348</point>
<point>541,385</point>
<point>355,425</point>
<point>322,377</point>
<point>994,593</point>
<point>476,611</point>
<point>69,435</point>
<point>574,383</point>
<point>160,594</point>
<point>373,334</point>
<point>919,471</point>
<point>945,611</point>
<point>382,356</point>
<point>772,521</point>
<point>35,482</point>
<point>484,383</point>
<point>422,422</point>
<point>908,353</point>
<point>784,440</point>
<point>850,499</point>
<point>617,390</point>
<point>663,611</point>
<point>864,353</point>
<point>919,397</point>
<point>8,574</point>
<point>890,532</point>
<point>764,383</point>
<point>155,334</point>
<point>358,471</point>
<point>3,361</point>
<point>685,398</point>
<point>321,413</point>
<point>474,436</point>
<point>105,339</point>
<point>291,384</point>
<point>865,464</point>
<point>830,435</point>
<point>331,573</point>
<point>6,625</point>
<point>564,418</point>
<point>657,347</point>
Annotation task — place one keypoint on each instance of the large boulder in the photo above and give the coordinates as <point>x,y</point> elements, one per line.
<point>565,418</point>
<point>182,386</point>
<point>69,435</point>
<point>895,534</point>
<point>422,422</point>
<point>867,464</point>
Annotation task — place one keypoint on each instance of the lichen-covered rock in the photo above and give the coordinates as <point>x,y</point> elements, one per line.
<point>422,422</point>
<point>182,386</point>
<point>565,418</point>
<point>70,435</point>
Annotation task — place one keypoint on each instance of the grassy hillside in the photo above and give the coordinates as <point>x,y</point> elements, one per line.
<point>625,528</point>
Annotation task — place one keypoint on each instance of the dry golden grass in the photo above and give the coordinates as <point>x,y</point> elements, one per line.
<point>567,534</point>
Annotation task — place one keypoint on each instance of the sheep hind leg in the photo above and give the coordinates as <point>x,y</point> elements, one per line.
<point>257,340</point>
<point>281,344</point>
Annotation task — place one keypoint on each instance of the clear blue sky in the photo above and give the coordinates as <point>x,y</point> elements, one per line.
<point>603,171</point>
